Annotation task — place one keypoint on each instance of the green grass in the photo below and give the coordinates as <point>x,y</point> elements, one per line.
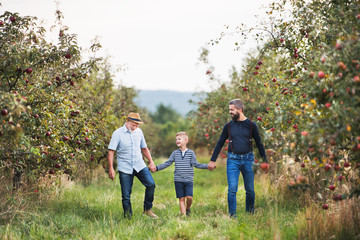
<point>94,211</point>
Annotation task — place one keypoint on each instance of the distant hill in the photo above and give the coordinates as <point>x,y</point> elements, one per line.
<point>179,101</point>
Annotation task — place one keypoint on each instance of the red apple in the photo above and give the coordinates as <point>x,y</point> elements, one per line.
<point>57,165</point>
<point>327,167</point>
<point>4,112</point>
<point>245,89</point>
<point>260,63</point>
<point>321,74</point>
<point>295,126</point>
<point>12,19</point>
<point>277,104</point>
<point>304,133</point>
<point>65,138</point>
<point>338,46</point>
<point>264,166</point>
<point>347,164</point>
<point>303,165</point>
<point>206,135</point>
<point>48,134</point>
<point>1,23</point>
<point>28,70</point>
<point>332,187</point>
<point>340,178</point>
<point>282,40</point>
<point>68,55</point>
<point>356,79</point>
<point>337,197</point>
<point>272,129</point>
<point>72,83</point>
<point>325,206</point>
<point>259,119</point>
<point>256,73</point>
<point>51,171</point>
<point>311,74</point>
<point>341,65</point>
<point>257,67</point>
<point>274,80</point>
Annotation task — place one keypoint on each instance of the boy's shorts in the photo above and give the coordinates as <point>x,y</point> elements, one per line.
<point>183,189</point>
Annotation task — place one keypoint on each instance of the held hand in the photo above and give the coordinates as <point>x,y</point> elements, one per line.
<point>152,167</point>
<point>111,174</point>
<point>211,165</point>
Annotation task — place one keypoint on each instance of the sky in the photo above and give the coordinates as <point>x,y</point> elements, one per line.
<point>156,42</point>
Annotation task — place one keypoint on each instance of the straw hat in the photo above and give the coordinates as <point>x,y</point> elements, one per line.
<point>134,117</point>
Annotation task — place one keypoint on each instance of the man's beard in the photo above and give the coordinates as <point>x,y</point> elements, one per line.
<point>235,116</point>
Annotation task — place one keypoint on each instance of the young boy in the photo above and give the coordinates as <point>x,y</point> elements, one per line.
<point>185,160</point>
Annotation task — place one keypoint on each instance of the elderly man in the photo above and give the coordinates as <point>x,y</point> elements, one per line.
<point>240,132</point>
<point>129,143</point>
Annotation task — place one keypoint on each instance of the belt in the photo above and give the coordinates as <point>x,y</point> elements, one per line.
<point>241,156</point>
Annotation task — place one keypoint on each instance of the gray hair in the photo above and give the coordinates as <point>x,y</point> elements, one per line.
<point>237,103</point>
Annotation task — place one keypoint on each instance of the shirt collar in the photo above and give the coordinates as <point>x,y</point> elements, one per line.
<point>127,130</point>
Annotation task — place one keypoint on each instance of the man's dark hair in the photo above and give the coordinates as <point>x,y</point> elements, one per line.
<point>237,103</point>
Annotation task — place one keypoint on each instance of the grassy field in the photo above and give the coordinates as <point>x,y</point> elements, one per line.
<point>94,211</point>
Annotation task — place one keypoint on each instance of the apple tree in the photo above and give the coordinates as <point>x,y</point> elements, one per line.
<point>302,89</point>
<point>45,126</point>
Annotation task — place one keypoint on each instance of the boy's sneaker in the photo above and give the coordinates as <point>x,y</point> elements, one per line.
<point>233,216</point>
<point>188,212</point>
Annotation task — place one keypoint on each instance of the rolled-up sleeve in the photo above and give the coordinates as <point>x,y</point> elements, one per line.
<point>115,140</point>
<point>142,141</point>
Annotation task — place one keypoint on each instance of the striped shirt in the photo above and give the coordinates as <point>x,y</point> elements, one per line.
<point>184,165</point>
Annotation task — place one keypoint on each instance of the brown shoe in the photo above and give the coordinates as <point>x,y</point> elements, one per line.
<point>150,213</point>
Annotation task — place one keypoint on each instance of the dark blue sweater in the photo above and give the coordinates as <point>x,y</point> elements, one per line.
<point>240,135</point>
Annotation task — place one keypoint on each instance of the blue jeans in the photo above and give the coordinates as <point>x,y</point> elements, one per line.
<point>126,182</point>
<point>235,165</point>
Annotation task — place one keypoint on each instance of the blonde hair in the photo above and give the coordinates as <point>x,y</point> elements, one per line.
<point>182,134</point>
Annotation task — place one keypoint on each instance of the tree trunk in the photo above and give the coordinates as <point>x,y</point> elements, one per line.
<point>17,179</point>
